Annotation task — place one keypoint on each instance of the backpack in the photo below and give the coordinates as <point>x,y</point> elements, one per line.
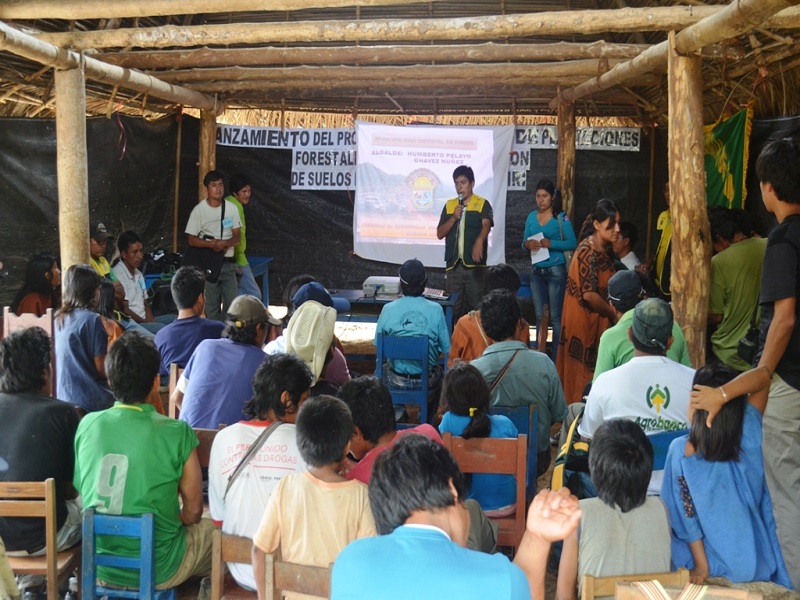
<point>571,468</point>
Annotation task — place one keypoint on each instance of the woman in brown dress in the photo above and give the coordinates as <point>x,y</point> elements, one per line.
<point>587,312</point>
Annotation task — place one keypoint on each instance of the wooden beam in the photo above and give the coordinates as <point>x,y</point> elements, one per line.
<point>566,155</point>
<point>691,237</point>
<point>541,73</point>
<point>21,44</point>
<point>732,20</point>
<point>71,167</point>
<point>554,23</point>
<point>369,55</point>
<point>104,9</point>
<point>439,86</point>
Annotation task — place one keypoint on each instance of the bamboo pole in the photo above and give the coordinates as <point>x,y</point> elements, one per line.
<point>176,200</point>
<point>71,167</point>
<point>732,20</point>
<point>30,47</point>
<point>208,149</point>
<point>552,23</point>
<point>691,237</point>
<point>103,9</point>
<point>360,55</point>
<point>534,72</point>
<point>566,155</point>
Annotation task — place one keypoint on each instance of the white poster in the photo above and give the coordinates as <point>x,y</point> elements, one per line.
<point>405,177</point>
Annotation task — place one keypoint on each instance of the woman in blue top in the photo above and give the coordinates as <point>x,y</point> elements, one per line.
<point>714,488</point>
<point>465,395</point>
<point>549,277</point>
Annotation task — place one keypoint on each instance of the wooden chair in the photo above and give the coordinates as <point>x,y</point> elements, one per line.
<point>661,442</point>
<point>38,499</point>
<point>141,527</point>
<point>229,548</point>
<point>206,439</point>
<point>413,348</point>
<point>633,590</point>
<point>505,456</point>
<point>12,323</point>
<point>175,373</point>
<point>290,577</point>
<point>526,420</point>
<point>595,587</point>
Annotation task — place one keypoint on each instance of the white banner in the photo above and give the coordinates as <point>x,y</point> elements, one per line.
<point>545,137</point>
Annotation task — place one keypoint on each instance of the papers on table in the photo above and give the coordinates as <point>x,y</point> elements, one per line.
<point>542,253</point>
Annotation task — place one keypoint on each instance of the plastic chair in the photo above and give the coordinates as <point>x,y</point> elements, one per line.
<point>661,442</point>
<point>504,456</point>
<point>141,527</point>
<point>526,420</point>
<point>414,348</point>
<point>38,499</point>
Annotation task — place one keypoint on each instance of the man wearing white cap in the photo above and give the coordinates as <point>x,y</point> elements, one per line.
<point>217,381</point>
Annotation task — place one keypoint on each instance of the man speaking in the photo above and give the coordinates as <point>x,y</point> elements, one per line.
<point>465,223</point>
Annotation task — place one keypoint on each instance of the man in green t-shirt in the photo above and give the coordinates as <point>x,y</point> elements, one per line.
<point>240,195</point>
<point>130,460</point>
<point>735,284</point>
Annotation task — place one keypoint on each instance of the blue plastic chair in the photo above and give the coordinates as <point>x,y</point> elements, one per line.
<point>134,527</point>
<point>413,348</point>
<point>661,442</point>
<point>526,420</point>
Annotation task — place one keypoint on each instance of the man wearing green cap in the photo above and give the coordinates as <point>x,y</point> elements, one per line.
<point>650,389</point>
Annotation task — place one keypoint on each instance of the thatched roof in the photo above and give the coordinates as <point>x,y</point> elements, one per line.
<point>323,62</point>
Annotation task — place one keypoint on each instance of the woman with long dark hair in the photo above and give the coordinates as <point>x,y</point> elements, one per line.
<point>587,312</point>
<point>465,396</point>
<point>40,290</point>
<point>81,343</point>
<point>549,276</point>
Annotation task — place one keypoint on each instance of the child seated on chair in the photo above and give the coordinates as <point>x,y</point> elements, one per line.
<point>465,397</point>
<point>719,505</point>
<point>313,515</point>
<point>623,531</point>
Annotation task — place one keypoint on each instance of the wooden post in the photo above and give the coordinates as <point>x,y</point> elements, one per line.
<point>566,155</point>
<point>208,148</point>
<point>648,247</point>
<point>691,238</point>
<point>177,197</point>
<point>71,167</point>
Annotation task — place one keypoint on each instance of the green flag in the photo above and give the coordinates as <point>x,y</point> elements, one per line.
<point>727,145</point>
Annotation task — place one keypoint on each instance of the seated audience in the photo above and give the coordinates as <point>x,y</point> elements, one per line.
<point>81,343</point>
<point>42,287</point>
<point>465,397</point>
<point>280,386</point>
<point>177,341</point>
<point>37,441</point>
<point>135,305</point>
<point>217,382</point>
<point>622,531</point>
<point>650,389</point>
<point>531,377</point>
<point>625,290</point>
<point>310,336</point>
<point>469,339</point>
<point>302,289</point>
<point>417,496</point>
<point>413,315</point>
<point>375,430</point>
<point>312,516</point>
<point>130,460</point>
<point>98,244</point>
<point>714,488</point>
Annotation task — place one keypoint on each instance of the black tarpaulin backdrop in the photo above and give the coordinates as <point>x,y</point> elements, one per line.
<point>131,186</point>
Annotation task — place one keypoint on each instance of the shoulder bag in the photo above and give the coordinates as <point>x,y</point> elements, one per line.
<point>251,452</point>
<point>567,253</point>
